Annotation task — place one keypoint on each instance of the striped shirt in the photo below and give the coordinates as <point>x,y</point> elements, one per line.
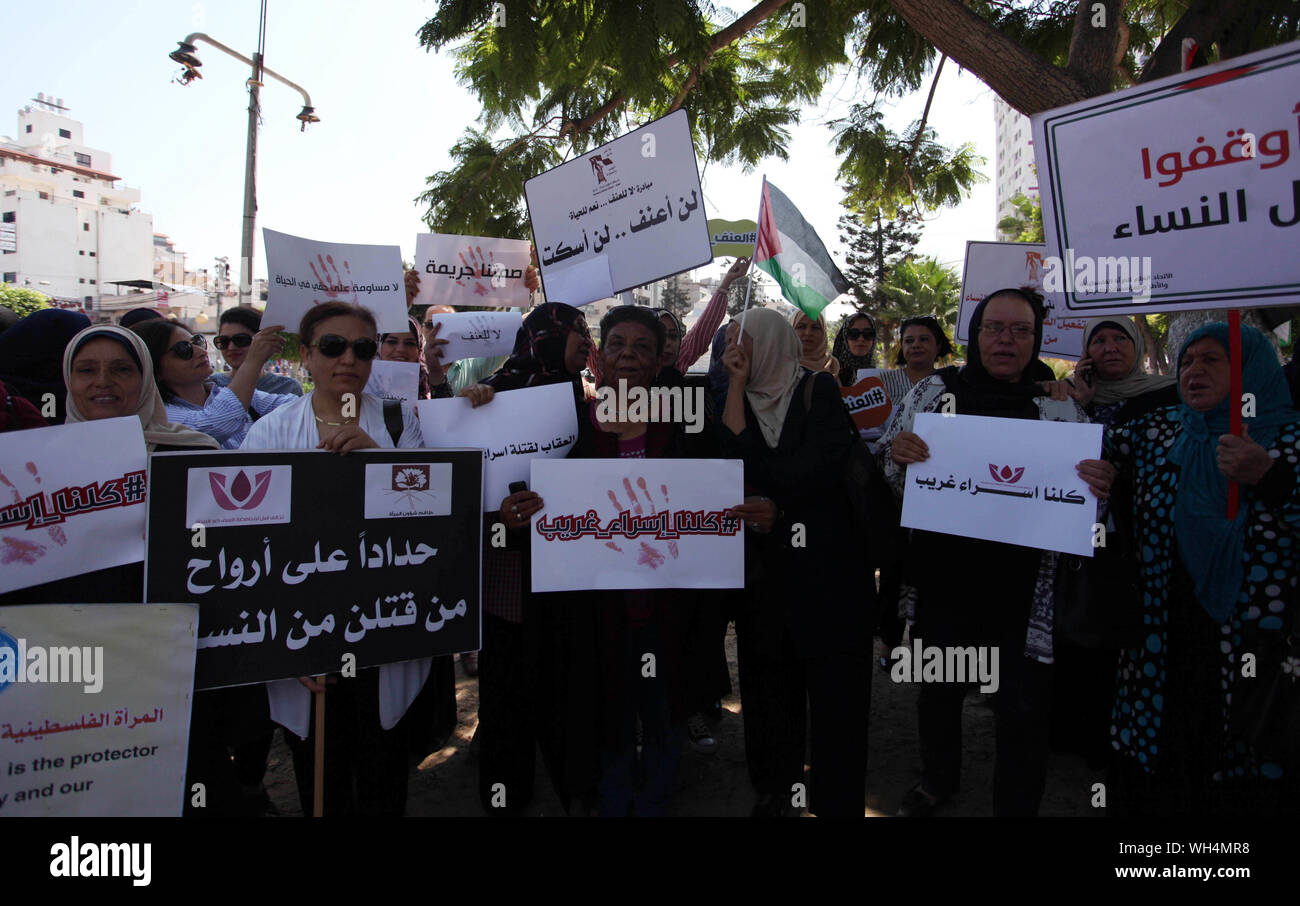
<point>223,417</point>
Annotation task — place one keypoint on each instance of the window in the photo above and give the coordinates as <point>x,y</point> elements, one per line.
<point>83,160</point>
<point>90,299</point>
<point>92,281</point>
<point>92,254</point>
<point>11,276</point>
<point>10,217</point>
<point>81,279</point>
<point>64,133</point>
<point>29,127</point>
<point>77,193</point>
<point>85,228</point>
<point>45,196</point>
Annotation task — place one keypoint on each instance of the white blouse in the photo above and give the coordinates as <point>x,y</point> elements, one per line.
<point>293,427</point>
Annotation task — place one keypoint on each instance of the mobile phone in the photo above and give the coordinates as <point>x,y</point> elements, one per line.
<point>1085,374</point>
<point>517,486</point>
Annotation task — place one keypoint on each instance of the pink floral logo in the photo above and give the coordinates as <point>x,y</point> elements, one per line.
<point>1006,475</point>
<point>241,494</point>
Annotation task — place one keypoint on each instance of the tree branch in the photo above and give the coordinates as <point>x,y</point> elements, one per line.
<point>1205,21</point>
<point>1092,46</point>
<point>746,23</point>
<point>920,131</point>
<point>1022,79</point>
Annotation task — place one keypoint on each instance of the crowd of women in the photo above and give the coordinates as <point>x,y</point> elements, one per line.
<point>1170,660</point>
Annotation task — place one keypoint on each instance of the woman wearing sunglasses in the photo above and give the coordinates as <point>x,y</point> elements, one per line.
<point>183,373</point>
<point>855,346</point>
<point>366,773</point>
<point>239,325</point>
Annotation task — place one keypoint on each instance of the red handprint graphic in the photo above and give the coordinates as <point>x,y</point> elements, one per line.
<point>22,551</point>
<point>479,267</point>
<point>334,285</point>
<point>646,554</point>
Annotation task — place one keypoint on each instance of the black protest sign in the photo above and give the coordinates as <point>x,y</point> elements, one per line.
<point>297,559</point>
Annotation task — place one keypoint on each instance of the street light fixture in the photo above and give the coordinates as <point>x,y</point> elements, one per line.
<point>186,55</point>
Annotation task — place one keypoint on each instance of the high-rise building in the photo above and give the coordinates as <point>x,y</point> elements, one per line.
<point>67,229</point>
<point>1015,159</point>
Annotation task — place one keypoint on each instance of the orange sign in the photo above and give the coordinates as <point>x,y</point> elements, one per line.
<point>868,403</point>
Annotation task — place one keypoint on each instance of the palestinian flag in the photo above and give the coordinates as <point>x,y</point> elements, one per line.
<point>789,250</point>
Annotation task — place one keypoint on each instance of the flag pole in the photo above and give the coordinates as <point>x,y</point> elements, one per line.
<point>749,287</point>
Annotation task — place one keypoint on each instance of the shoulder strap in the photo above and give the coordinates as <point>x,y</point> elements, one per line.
<point>393,419</point>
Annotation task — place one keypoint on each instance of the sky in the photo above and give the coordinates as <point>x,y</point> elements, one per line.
<point>389,113</point>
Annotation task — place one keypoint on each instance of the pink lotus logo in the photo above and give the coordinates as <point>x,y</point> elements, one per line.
<point>1006,475</point>
<point>242,494</point>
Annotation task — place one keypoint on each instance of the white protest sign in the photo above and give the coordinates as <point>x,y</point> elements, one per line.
<point>71,500</point>
<point>471,270</point>
<point>394,380</point>
<point>475,334</point>
<point>637,523</point>
<point>513,429</point>
<point>1004,479</point>
<point>301,273</point>
<point>992,266</point>
<point>95,703</point>
<point>636,201</point>
<point>1178,193</point>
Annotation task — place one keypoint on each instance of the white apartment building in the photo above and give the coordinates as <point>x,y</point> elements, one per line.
<point>1015,159</point>
<point>67,229</point>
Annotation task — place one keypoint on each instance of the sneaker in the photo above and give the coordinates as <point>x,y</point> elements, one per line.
<point>700,735</point>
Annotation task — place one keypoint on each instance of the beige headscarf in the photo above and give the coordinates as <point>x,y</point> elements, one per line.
<point>149,408</point>
<point>774,370</point>
<point>821,359</point>
<point>1137,381</point>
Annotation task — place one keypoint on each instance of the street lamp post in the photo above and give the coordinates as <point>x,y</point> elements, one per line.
<point>185,55</point>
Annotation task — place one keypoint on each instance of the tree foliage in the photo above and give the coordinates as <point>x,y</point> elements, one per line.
<point>918,286</point>
<point>21,301</point>
<point>1026,224</point>
<point>875,245</point>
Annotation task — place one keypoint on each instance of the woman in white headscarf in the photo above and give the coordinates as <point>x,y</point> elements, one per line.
<point>109,374</point>
<point>805,629</point>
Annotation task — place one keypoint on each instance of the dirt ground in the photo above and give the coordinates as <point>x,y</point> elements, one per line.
<point>717,784</point>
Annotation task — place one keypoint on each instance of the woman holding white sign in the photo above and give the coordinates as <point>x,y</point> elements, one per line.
<point>1207,704</point>
<point>987,594</point>
<point>805,630</point>
<point>339,341</point>
<point>551,347</point>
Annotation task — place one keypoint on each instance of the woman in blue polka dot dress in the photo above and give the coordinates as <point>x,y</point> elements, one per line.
<point>1215,590</point>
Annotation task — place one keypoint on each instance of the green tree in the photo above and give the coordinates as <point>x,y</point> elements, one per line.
<point>875,246</point>
<point>736,295</point>
<point>20,301</point>
<point>917,286</point>
<point>1026,224</point>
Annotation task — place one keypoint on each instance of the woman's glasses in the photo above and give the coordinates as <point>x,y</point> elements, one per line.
<point>240,340</point>
<point>860,333</point>
<point>332,346</point>
<point>184,350</point>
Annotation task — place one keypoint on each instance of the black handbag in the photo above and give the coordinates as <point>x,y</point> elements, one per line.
<point>1266,707</point>
<point>1099,599</point>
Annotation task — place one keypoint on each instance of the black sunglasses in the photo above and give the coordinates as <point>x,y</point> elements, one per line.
<point>332,346</point>
<point>184,350</point>
<point>865,333</point>
<point>241,340</point>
